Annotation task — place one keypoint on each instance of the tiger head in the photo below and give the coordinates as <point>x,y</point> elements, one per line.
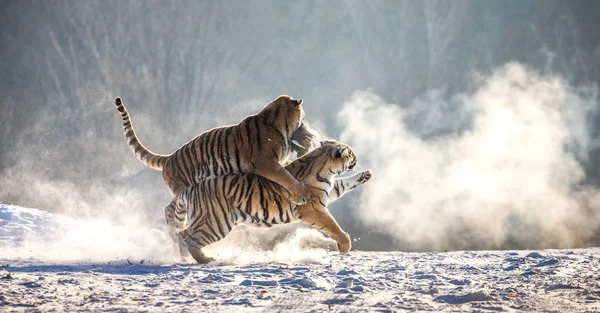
<point>339,157</point>
<point>286,113</point>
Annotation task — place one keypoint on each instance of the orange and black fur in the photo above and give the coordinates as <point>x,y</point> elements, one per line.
<point>259,144</point>
<point>213,207</point>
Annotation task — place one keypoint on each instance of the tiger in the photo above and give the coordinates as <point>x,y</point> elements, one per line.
<point>258,144</point>
<point>217,204</point>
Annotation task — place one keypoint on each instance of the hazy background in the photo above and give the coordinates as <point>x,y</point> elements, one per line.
<point>478,118</point>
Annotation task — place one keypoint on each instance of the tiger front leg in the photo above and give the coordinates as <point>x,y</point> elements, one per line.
<point>299,192</point>
<point>318,216</point>
<point>344,184</point>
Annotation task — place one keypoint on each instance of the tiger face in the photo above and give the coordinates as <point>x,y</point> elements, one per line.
<point>341,158</point>
<point>287,107</point>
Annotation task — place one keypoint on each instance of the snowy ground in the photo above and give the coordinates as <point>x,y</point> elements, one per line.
<point>489,281</point>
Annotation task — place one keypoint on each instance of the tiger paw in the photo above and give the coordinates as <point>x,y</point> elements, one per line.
<point>302,196</point>
<point>365,176</point>
<point>345,244</point>
<point>200,257</point>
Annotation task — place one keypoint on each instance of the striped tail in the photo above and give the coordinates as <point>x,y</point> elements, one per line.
<point>151,159</point>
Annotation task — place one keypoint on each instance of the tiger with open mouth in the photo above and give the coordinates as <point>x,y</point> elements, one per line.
<point>217,204</point>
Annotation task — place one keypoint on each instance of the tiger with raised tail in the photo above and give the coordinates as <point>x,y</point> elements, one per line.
<point>258,144</point>
<point>215,205</point>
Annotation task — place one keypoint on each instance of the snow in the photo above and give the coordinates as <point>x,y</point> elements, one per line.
<point>289,279</point>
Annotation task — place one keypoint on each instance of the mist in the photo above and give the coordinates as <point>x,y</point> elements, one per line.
<point>511,176</point>
<point>479,120</point>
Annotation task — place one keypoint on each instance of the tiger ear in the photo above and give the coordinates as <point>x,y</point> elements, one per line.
<point>341,152</point>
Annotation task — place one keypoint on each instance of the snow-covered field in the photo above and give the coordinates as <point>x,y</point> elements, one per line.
<point>56,278</point>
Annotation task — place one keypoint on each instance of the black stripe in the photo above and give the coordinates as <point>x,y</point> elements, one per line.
<point>247,187</point>
<point>211,157</point>
<point>232,181</point>
<point>248,137</point>
<point>249,202</point>
<point>238,132</point>
<point>227,162</point>
<point>276,115</point>
<point>207,236</point>
<point>261,189</point>
<point>305,169</point>
<point>217,199</point>
<point>242,186</point>
<point>194,161</point>
<point>131,141</point>
<point>203,160</point>
<point>322,204</point>
<point>190,168</point>
<point>143,154</point>
<point>237,159</point>
<point>138,149</point>
<point>323,190</point>
<point>257,134</point>
<point>211,208</point>
<point>322,179</point>
<point>179,165</point>
<point>217,152</point>
<point>238,189</point>
<point>225,210</point>
<point>277,201</point>
<point>220,154</point>
<point>227,222</point>
<point>283,141</point>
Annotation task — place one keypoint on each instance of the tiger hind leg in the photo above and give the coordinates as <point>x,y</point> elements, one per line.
<point>200,234</point>
<point>176,217</point>
<point>193,244</point>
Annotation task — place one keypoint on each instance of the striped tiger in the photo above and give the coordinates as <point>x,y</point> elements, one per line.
<point>214,206</point>
<point>258,144</point>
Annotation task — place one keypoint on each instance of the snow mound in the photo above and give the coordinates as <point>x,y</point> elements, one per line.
<point>19,225</point>
<point>33,233</point>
